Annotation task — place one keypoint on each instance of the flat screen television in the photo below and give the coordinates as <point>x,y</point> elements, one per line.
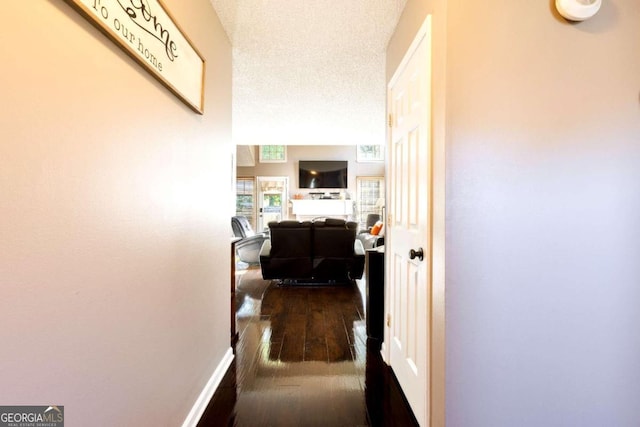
<point>322,174</point>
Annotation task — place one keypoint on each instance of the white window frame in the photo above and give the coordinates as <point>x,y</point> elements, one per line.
<point>362,157</point>
<point>252,216</point>
<point>263,160</point>
<point>375,207</point>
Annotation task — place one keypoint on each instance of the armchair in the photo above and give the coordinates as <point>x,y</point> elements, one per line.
<point>248,247</point>
<point>371,221</point>
<point>370,240</point>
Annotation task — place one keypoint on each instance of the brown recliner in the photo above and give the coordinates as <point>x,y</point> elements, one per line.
<point>337,255</point>
<point>288,254</point>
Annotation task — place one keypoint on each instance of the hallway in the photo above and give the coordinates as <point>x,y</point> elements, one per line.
<point>302,359</point>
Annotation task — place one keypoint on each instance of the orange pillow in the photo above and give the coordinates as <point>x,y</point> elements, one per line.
<point>375,230</point>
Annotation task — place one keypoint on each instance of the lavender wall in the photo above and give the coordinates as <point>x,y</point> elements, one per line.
<point>542,131</point>
<point>543,216</point>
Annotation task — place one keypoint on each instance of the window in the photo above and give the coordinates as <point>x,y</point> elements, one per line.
<point>370,153</point>
<point>370,196</point>
<point>245,199</point>
<point>273,154</point>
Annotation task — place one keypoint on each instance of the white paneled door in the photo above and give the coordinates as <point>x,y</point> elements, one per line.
<point>409,224</point>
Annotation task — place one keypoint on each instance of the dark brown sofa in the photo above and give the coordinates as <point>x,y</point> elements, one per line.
<point>320,251</point>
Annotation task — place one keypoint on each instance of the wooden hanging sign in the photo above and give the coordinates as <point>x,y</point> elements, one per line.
<point>147,32</point>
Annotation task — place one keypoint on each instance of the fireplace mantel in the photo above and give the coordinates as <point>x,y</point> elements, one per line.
<point>306,209</point>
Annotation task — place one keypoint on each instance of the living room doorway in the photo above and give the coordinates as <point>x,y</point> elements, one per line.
<point>273,200</point>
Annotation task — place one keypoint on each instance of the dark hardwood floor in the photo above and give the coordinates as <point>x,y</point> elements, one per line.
<point>303,359</point>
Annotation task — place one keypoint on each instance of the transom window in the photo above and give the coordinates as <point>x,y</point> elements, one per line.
<point>273,154</point>
<point>370,153</point>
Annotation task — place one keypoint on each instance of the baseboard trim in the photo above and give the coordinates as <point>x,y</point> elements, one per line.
<point>209,389</point>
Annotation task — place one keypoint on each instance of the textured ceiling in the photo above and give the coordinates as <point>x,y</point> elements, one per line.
<point>308,71</point>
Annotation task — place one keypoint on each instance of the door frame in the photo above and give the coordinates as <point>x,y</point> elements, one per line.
<point>260,199</point>
<point>436,324</point>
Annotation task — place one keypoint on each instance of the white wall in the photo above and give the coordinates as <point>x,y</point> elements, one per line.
<point>543,215</point>
<point>111,304</point>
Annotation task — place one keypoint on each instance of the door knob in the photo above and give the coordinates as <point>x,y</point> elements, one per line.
<point>413,254</point>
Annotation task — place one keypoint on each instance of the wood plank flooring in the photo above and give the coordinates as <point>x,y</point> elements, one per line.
<point>303,359</point>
